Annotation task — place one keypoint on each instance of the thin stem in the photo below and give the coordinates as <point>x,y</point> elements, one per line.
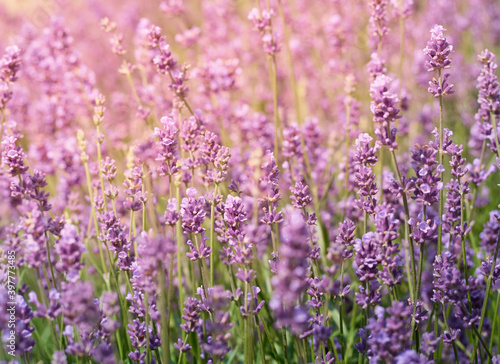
<point>440,161</point>
<point>165,313</point>
<point>212,235</point>
<point>50,262</point>
<point>179,238</point>
<point>487,294</point>
<point>464,255</point>
<point>478,335</point>
<point>99,163</point>
<point>455,351</point>
<point>283,345</point>
<point>494,124</point>
<point>148,349</point>
<point>341,312</point>
<point>413,281</point>
<point>421,260</point>
<point>277,123</point>
<point>93,214</point>
<point>261,344</point>
<point>493,329</point>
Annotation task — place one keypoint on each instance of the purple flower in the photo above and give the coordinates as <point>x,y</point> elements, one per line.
<point>390,335</point>
<point>428,181</point>
<point>365,178</point>
<point>182,346</point>
<point>192,212</point>
<point>438,89</point>
<point>376,66</point>
<point>449,286</point>
<point>69,248</point>
<point>292,147</point>
<point>367,257</point>
<point>423,231</point>
<point>50,312</point>
<point>488,97</point>
<point>489,235</point>
<point>10,64</point>
<point>171,215</point>
<point>13,157</point>
<point>438,50</point>
<point>290,281</point>
<point>384,107</point>
<point>341,249</point>
<point>167,147</point>
<point>261,19</point>
<point>78,306</point>
<point>378,18</point>
<point>20,325</point>
<point>269,184</point>
<point>191,316</point>
<point>113,233</point>
<point>369,297</point>
<point>300,195</point>
<point>200,252</point>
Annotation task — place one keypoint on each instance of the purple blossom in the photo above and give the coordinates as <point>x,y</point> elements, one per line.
<point>384,107</point>
<point>367,257</point>
<point>438,50</point>
<point>290,281</point>
<point>192,212</point>
<point>389,335</point>
<point>69,248</point>
<point>378,18</point>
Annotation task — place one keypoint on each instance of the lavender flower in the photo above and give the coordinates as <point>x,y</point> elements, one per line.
<point>367,257</point>
<point>70,249</point>
<point>192,212</point>
<point>378,18</point>
<point>289,283</point>
<point>13,157</point>
<point>365,179</point>
<point>488,97</point>
<point>438,50</point>
<point>449,285</point>
<point>167,147</point>
<point>390,335</point>
<point>384,107</point>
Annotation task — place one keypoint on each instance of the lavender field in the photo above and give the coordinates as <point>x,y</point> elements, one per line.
<point>261,181</point>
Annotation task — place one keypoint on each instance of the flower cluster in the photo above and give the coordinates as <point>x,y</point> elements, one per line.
<point>203,182</point>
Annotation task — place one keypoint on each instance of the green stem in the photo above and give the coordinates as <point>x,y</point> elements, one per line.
<point>92,212</point>
<point>413,281</point>
<point>99,163</point>
<point>261,345</point>
<point>494,124</point>
<point>148,349</point>
<point>455,351</point>
<point>50,263</point>
<point>440,161</point>
<point>493,329</point>
<point>341,312</point>
<point>283,345</point>
<point>180,240</point>
<point>212,236</point>
<point>487,295</point>
<point>165,312</point>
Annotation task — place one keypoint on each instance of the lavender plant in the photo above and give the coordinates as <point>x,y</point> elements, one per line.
<point>268,182</point>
